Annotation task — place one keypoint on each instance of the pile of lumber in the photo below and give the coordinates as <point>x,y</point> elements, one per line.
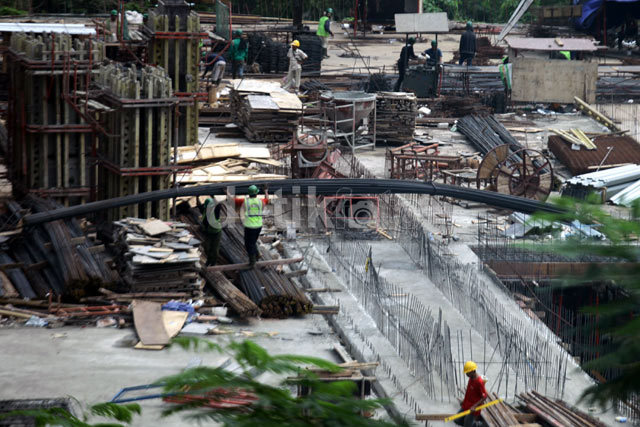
<point>557,412</point>
<point>55,258</point>
<point>264,111</point>
<point>396,116</point>
<point>458,106</point>
<point>156,255</point>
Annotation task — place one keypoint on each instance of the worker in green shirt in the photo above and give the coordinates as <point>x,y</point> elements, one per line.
<point>324,30</point>
<point>238,53</point>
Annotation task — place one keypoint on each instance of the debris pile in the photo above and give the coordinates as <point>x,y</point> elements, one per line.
<point>225,162</point>
<point>395,116</point>
<point>264,111</point>
<point>156,255</point>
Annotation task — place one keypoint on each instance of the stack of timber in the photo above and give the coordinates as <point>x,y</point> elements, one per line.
<point>156,255</point>
<point>223,287</point>
<point>264,111</point>
<point>499,414</point>
<point>457,106</point>
<point>135,151</point>
<point>396,116</point>
<point>55,258</point>
<point>225,162</point>
<point>50,120</point>
<point>557,413</point>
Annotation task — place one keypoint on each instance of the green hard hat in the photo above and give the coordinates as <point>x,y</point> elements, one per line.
<point>329,10</point>
<point>411,40</point>
<point>114,12</point>
<point>469,24</point>
<point>253,190</point>
<point>434,43</point>
<point>145,15</point>
<point>206,202</point>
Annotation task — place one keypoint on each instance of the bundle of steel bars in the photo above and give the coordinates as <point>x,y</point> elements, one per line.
<point>486,133</point>
<point>276,294</point>
<point>56,258</point>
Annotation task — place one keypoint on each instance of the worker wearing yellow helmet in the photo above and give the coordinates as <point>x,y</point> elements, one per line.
<point>475,395</point>
<point>296,58</point>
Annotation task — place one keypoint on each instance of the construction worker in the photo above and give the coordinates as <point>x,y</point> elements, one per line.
<point>434,55</point>
<point>215,63</point>
<point>405,55</point>
<point>296,58</point>
<point>475,395</point>
<point>238,53</point>
<point>212,228</point>
<point>112,26</point>
<point>467,45</point>
<point>251,212</point>
<point>324,31</point>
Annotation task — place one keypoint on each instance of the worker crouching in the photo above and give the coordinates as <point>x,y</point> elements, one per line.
<point>475,395</point>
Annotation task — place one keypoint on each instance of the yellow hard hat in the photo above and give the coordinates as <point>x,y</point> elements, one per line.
<point>295,43</point>
<point>470,366</point>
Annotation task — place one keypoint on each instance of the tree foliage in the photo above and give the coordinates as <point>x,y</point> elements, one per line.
<point>617,321</point>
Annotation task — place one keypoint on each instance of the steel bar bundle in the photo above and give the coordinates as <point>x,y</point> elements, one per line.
<point>557,413</point>
<point>55,258</point>
<point>276,294</point>
<point>135,152</point>
<point>486,133</point>
<point>230,294</point>
<point>49,120</point>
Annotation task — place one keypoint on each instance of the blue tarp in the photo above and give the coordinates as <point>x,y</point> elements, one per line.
<point>590,9</point>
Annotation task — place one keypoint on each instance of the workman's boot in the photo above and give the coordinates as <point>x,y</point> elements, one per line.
<point>324,53</point>
<point>252,261</point>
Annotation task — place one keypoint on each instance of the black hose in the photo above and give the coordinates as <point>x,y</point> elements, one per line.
<point>318,187</point>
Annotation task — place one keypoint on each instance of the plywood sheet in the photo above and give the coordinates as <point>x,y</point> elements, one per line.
<point>422,22</point>
<point>553,80</point>
<point>155,227</point>
<point>149,324</point>
<point>286,100</point>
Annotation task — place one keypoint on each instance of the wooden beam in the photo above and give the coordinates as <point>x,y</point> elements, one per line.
<point>431,417</point>
<point>246,266</point>
<point>525,418</point>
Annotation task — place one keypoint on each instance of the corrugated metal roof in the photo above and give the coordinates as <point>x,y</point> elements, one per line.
<point>607,177</point>
<point>627,196</point>
<point>625,150</point>
<point>549,44</point>
<point>20,27</point>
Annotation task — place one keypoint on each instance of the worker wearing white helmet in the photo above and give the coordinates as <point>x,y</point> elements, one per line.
<point>475,395</point>
<point>296,58</point>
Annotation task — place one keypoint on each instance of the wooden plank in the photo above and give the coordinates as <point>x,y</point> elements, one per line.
<point>246,266</point>
<point>431,417</point>
<point>147,318</point>
<point>154,227</point>
<point>342,353</point>
<point>525,418</point>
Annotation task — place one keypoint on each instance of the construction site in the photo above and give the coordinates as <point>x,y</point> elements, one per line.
<point>398,202</point>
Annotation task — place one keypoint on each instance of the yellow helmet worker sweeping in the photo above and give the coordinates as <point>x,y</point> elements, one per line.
<point>475,395</point>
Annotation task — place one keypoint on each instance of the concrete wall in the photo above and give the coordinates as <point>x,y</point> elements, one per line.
<point>553,80</point>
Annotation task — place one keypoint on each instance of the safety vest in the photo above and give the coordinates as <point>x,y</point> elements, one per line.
<point>252,212</point>
<point>566,54</point>
<point>210,216</point>
<point>321,31</point>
